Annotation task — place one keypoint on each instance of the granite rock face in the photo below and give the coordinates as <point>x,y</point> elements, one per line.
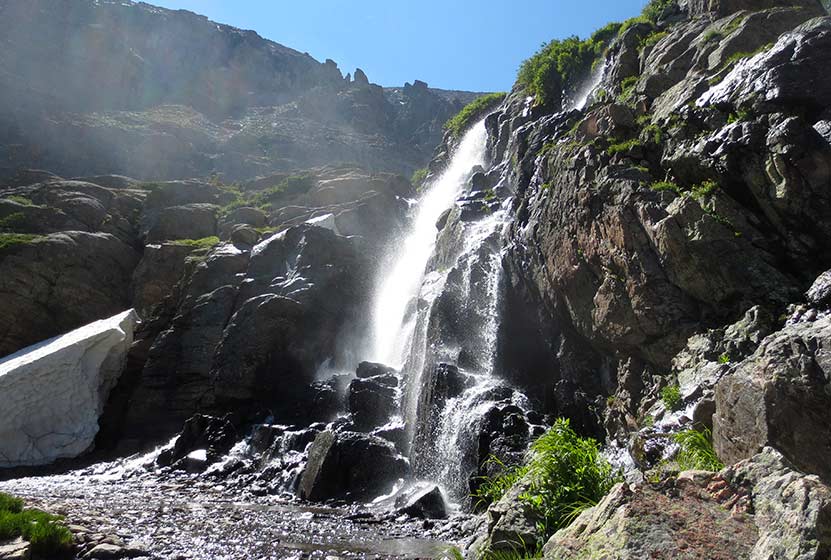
<point>54,392</point>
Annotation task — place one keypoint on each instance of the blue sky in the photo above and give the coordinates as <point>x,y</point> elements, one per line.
<point>451,44</point>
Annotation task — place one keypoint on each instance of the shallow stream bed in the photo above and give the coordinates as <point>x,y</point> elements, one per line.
<point>179,517</point>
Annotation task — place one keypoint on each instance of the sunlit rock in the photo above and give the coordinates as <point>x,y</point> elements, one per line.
<point>53,392</point>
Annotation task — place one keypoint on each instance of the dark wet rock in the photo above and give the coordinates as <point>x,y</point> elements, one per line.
<point>160,269</point>
<point>216,436</point>
<point>370,369</point>
<point>371,402</point>
<point>52,284</point>
<point>191,221</point>
<point>426,502</point>
<point>349,465</point>
<point>777,397</point>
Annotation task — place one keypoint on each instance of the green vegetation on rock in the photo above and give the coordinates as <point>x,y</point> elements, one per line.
<point>671,396</point>
<point>21,200</point>
<point>566,474</point>
<point>47,535</point>
<point>473,111</point>
<point>204,243</point>
<point>11,239</point>
<point>13,221</point>
<point>266,198</point>
<point>419,175</point>
<point>696,451</point>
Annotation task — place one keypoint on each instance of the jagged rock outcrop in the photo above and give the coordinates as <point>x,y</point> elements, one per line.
<point>54,392</point>
<point>778,397</point>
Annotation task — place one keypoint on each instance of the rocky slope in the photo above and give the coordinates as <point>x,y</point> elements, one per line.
<point>96,87</point>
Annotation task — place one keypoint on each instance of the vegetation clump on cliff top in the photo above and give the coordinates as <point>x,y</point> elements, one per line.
<point>472,111</point>
<point>563,63</point>
<point>47,535</point>
<point>566,475</point>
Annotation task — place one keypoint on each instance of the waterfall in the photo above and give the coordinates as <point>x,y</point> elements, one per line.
<point>589,87</point>
<point>393,317</point>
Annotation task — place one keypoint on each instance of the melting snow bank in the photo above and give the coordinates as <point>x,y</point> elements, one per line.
<point>53,392</point>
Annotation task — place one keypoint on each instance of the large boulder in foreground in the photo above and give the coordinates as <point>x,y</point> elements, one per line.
<point>779,396</point>
<point>350,465</point>
<point>54,392</point>
<point>759,509</point>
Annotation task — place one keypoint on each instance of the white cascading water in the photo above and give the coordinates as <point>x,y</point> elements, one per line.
<point>393,319</point>
<point>589,87</point>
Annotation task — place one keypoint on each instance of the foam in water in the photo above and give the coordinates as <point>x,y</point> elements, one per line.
<point>403,275</point>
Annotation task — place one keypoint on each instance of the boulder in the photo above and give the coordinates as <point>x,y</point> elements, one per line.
<point>423,501</point>
<point>351,466</point>
<point>372,401</point>
<point>214,436</point>
<point>370,369</point>
<point>190,221</point>
<point>778,397</point>
<point>819,294</point>
<point>54,392</point>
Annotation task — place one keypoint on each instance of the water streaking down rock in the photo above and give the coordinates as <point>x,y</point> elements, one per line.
<point>54,392</point>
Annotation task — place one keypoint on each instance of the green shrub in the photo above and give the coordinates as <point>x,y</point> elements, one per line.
<point>12,239</point>
<point>492,488</point>
<point>696,451</point>
<point>561,65</point>
<point>627,88</point>
<point>724,359</point>
<point>671,397</point>
<point>662,186</point>
<point>655,8</point>
<point>703,189</point>
<point>204,243</point>
<point>566,474</point>
<point>652,39</point>
<point>623,146</point>
<point>473,111</point>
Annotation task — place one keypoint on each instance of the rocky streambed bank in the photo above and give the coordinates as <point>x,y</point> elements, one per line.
<point>177,516</point>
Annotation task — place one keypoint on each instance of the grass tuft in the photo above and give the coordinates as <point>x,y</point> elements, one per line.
<point>567,475</point>
<point>47,535</point>
<point>671,397</point>
<point>696,451</point>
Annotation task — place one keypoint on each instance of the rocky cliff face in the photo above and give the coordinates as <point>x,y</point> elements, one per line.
<point>96,87</point>
<point>668,235</point>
